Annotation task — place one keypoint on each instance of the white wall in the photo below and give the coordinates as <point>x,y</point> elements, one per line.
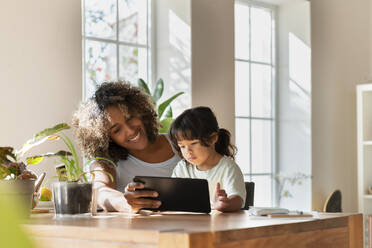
<point>294,101</point>
<point>341,55</point>
<point>173,50</point>
<point>40,69</point>
<point>212,59</point>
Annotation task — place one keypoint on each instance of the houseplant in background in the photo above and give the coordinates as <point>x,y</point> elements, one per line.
<point>73,193</point>
<point>167,118</point>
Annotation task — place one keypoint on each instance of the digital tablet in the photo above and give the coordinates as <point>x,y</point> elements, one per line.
<point>178,194</point>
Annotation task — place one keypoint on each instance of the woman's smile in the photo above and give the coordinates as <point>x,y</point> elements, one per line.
<point>136,137</point>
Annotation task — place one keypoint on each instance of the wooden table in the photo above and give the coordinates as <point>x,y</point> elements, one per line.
<point>196,230</point>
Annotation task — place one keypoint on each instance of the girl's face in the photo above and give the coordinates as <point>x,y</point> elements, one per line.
<point>196,153</point>
<point>128,132</point>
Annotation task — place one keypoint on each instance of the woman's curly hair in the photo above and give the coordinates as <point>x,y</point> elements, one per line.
<point>91,120</point>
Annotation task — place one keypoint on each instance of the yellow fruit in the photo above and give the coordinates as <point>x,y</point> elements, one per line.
<point>45,194</point>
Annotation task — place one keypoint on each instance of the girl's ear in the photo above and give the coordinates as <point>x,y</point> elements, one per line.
<point>213,138</point>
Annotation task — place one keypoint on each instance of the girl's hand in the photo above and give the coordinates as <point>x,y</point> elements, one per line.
<point>224,203</point>
<point>134,196</point>
<point>220,198</point>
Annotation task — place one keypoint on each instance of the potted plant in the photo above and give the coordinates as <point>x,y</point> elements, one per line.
<point>167,118</point>
<point>16,181</point>
<point>73,193</point>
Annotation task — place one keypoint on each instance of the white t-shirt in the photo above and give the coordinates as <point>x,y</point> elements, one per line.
<point>132,166</point>
<point>226,172</point>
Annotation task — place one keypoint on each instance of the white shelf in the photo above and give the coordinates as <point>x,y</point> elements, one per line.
<point>367,197</point>
<point>364,137</point>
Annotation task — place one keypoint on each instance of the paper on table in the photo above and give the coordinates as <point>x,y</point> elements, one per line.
<point>259,211</point>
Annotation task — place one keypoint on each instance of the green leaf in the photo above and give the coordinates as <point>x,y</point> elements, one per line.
<point>92,172</point>
<point>14,169</point>
<point>69,164</point>
<point>74,163</point>
<point>4,172</point>
<point>30,144</point>
<point>49,131</point>
<point>4,153</point>
<point>165,104</point>
<point>141,83</point>
<point>169,113</point>
<point>37,159</point>
<point>34,160</point>
<point>41,137</point>
<point>101,158</point>
<point>165,125</point>
<point>158,92</point>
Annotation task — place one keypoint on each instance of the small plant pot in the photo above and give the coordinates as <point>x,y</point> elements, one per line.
<point>18,192</point>
<point>72,198</point>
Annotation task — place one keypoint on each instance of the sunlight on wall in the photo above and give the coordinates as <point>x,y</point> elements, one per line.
<point>300,64</point>
<point>179,61</point>
<point>179,35</point>
<point>300,76</point>
<point>296,127</point>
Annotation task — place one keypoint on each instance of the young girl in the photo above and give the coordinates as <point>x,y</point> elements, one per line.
<point>208,154</point>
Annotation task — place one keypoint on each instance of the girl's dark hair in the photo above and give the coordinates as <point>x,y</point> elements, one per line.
<point>201,123</point>
<point>91,119</point>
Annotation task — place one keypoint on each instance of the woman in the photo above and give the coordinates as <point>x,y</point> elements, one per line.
<point>120,122</point>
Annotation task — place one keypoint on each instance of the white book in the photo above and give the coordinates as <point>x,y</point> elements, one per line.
<point>258,211</point>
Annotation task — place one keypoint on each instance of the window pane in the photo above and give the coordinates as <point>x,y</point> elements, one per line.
<point>100,63</point>
<point>100,18</point>
<point>133,21</point>
<point>261,34</point>
<point>133,63</point>
<point>261,90</point>
<point>241,88</point>
<point>262,191</point>
<point>243,144</point>
<point>261,146</point>
<point>241,31</point>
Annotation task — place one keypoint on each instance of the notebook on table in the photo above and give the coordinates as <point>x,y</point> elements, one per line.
<point>263,211</point>
<point>178,194</point>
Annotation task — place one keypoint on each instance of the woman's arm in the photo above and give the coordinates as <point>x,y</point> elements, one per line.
<point>111,199</point>
<point>108,197</point>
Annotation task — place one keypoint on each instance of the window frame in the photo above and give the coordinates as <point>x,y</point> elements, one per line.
<point>150,45</point>
<point>274,95</point>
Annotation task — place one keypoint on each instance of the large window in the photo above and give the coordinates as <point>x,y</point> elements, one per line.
<point>255,96</point>
<point>116,39</point>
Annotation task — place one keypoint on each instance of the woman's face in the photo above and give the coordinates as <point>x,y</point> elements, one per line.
<point>128,132</point>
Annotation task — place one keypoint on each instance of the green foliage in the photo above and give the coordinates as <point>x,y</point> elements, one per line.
<point>166,121</point>
<point>10,164</point>
<point>11,232</point>
<point>73,172</point>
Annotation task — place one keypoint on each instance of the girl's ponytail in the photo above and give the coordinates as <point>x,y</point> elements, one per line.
<point>223,145</point>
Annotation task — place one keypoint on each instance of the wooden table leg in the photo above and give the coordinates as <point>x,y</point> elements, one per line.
<point>356,231</point>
